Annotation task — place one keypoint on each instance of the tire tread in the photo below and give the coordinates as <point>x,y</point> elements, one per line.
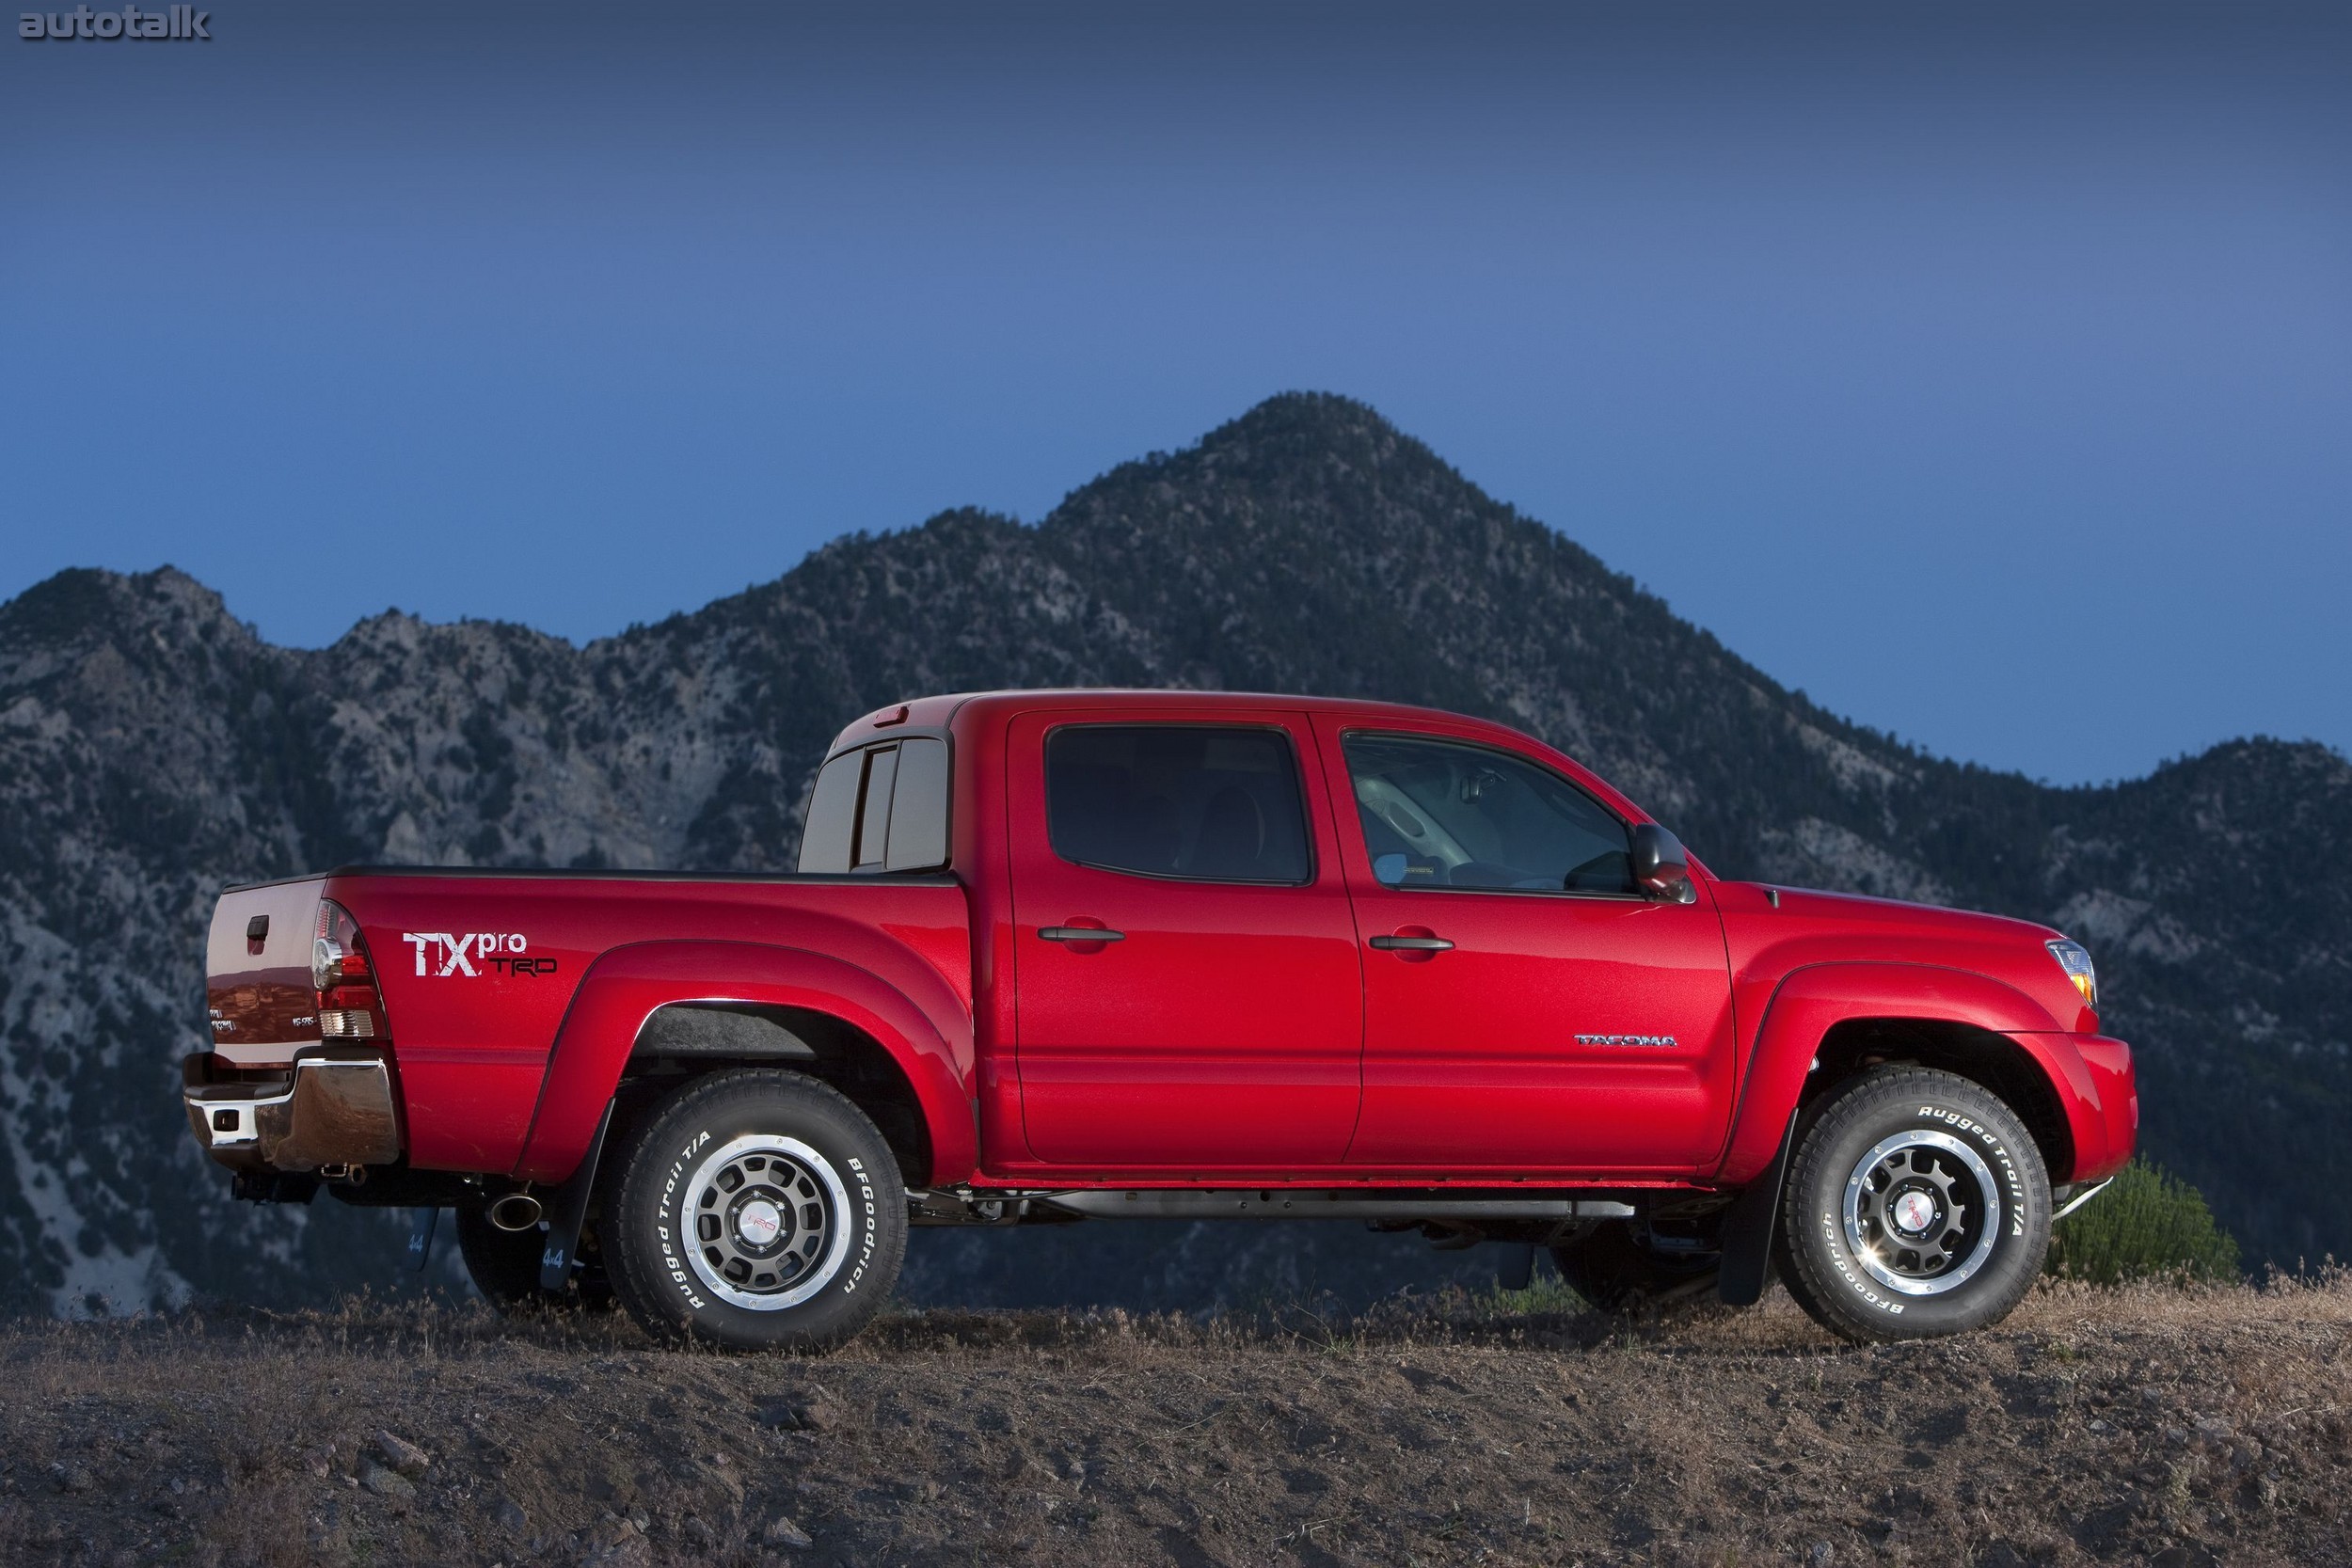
<point>644,1290</point>
<point>1807,1278</point>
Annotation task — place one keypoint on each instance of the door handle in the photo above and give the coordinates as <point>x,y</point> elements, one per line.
<point>1412,944</point>
<point>1083,933</point>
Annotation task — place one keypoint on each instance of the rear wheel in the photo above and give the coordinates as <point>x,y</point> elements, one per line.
<point>757,1209</point>
<point>1916,1205</point>
<point>1617,1270</point>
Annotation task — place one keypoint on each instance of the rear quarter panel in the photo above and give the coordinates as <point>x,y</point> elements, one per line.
<point>475,1036</point>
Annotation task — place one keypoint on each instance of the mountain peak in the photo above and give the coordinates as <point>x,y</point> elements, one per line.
<point>1290,429</point>
<point>83,607</point>
<point>1329,416</point>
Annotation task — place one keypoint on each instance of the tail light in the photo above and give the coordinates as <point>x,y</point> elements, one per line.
<point>349,1006</point>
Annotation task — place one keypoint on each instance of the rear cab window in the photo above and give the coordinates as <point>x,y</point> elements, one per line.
<point>1189,802</point>
<point>879,808</point>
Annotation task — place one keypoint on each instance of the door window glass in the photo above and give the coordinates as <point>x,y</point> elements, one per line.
<point>1441,814</point>
<point>1185,800</point>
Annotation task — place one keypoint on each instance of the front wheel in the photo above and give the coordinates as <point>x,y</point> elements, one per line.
<point>1916,1205</point>
<point>757,1209</point>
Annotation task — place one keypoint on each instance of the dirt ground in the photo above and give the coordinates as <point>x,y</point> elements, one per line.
<point>2142,1425</point>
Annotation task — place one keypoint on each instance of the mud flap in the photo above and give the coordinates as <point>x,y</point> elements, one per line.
<point>420,1239</point>
<point>567,1211</point>
<point>1747,1238</point>
<point>1515,1266</point>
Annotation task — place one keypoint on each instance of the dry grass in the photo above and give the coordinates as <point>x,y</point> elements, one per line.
<point>2098,1425</point>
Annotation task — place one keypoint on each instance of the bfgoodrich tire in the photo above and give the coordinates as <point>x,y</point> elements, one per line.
<point>757,1209</point>
<point>1916,1205</point>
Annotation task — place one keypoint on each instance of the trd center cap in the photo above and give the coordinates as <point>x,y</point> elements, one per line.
<point>760,1222</point>
<point>1914,1211</point>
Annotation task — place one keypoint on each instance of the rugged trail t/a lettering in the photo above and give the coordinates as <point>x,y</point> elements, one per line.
<point>1061,956</point>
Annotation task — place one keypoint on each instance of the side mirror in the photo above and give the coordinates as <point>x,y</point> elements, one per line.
<point>1661,868</point>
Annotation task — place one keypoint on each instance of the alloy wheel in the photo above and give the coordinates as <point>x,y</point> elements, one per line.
<point>766,1213</point>
<point>1922,1211</point>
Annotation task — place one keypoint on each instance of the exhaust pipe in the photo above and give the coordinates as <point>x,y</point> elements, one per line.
<point>514,1212</point>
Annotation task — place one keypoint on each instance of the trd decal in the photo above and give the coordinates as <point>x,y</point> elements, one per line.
<point>457,953</point>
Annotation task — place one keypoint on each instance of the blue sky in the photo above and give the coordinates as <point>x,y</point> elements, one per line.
<point>1988,374</point>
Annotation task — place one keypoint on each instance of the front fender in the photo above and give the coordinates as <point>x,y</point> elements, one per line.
<point>1810,1001</point>
<point>624,986</point>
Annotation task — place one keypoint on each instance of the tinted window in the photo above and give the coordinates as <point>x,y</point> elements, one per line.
<point>881,809</point>
<point>1185,800</point>
<point>825,841</point>
<point>918,808</point>
<point>1437,814</point>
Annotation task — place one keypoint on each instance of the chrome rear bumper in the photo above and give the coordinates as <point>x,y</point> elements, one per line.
<point>335,1109</point>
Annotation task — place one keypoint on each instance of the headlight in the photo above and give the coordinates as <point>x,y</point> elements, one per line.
<point>2080,969</point>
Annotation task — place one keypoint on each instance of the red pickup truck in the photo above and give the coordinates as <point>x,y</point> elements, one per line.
<point>1054,956</point>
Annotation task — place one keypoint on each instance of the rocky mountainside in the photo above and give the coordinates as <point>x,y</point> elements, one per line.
<point>152,748</point>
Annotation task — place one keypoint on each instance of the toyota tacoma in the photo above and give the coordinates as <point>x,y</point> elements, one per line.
<point>1067,955</point>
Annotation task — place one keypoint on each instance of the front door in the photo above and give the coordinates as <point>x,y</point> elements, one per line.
<point>1526,1009</point>
<point>1217,1024</point>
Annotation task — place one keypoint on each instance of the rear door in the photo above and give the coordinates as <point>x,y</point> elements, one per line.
<point>1217,1024</point>
<point>1525,1009</point>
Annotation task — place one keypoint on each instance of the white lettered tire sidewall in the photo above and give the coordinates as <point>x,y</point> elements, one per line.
<point>651,1250</point>
<point>1833,1281</point>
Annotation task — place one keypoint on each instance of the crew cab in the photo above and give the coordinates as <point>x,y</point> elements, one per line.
<point>1059,956</point>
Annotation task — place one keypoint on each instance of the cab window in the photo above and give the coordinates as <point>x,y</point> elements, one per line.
<point>1442,814</point>
<point>881,809</point>
<point>1195,802</point>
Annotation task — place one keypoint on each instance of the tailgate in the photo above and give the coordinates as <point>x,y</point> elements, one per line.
<point>256,971</point>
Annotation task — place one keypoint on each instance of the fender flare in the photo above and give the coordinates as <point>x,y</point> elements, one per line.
<point>1811,1001</point>
<point>625,985</point>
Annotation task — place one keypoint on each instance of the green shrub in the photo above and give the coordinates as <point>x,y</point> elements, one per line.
<point>2149,1225</point>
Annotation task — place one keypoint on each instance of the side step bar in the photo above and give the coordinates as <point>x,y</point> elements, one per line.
<point>1261,1204</point>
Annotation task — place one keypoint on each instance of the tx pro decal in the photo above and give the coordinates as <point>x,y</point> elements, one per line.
<point>444,954</point>
<point>1652,1042</point>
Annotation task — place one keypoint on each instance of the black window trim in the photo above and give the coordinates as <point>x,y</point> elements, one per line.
<point>862,824</point>
<point>1635,897</point>
<point>1299,777</point>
